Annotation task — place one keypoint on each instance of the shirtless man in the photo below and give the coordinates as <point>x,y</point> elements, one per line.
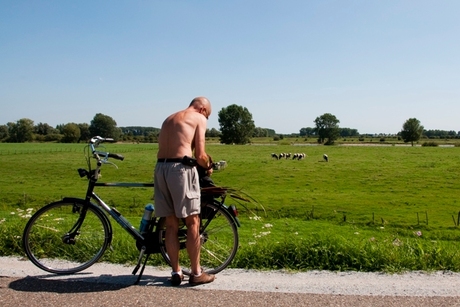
<point>177,190</point>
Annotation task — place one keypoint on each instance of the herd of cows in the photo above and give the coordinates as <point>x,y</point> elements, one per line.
<point>296,156</point>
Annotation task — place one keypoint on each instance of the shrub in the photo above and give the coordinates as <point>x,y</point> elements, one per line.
<point>53,137</point>
<point>432,144</point>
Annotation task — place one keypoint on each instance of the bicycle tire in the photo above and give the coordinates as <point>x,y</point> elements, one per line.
<point>219,240</point>
<point>48,246</point>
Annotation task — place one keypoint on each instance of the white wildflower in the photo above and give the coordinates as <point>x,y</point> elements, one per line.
<point>397,242</point>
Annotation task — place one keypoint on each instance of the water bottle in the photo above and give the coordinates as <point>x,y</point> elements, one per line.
<point>148,212</point>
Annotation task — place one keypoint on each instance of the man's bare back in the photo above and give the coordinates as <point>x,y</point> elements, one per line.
<point>183,133</point>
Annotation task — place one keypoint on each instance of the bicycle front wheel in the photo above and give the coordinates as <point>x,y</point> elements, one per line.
<point>218,236</point>
<point>67,236</point>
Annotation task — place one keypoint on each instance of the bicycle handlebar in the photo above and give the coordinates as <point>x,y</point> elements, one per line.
<point>96,141</point>
<point>104,154</point>
<point>116,156</point>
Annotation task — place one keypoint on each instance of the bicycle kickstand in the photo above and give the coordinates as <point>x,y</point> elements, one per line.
<point>143,249</point>
<point>142,270</point>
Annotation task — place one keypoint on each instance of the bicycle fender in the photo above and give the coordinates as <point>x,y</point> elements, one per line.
<point>232,212</point>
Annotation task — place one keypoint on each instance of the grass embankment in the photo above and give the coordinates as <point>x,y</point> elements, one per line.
<point>369,208</point>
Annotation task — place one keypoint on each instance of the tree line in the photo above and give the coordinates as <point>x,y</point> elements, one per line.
<point>236,127</point>
<point>327,130</point>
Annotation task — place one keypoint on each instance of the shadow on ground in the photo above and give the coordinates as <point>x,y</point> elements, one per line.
<point>81,284</point>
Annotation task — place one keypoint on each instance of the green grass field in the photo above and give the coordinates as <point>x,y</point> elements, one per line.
<point>370,208</point>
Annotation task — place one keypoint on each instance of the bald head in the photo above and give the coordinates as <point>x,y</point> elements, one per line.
<point>200,103</point>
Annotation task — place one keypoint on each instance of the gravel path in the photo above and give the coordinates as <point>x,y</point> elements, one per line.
<point>106,284</point>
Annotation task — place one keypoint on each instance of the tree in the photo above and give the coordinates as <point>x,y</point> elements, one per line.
<point>139,131</point>
<point>307,131</point>
<point>212,133</point>
<point>104,126</point>
<point>412,131</point>
<point>151,137</point>
<point>21,131</point>
<point>44,129</point>
<point>440,134</point>
<point>236,125</point>
<point>45,133</point>
<point>71,133</point>
<point>344,132</point>
<point>327,128</point>
<point>260,132</point>
<point>3,132</point>
<point>85,134</point>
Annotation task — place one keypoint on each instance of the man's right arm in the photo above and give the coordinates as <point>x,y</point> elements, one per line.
<point>200,153</point>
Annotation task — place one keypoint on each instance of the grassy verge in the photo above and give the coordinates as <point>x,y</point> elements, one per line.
<point>320,245</point>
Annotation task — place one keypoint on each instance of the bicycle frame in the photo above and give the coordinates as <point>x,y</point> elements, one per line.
<point>119,218</point>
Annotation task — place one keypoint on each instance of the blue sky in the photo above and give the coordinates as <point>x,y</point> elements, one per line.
<point>372,64</point>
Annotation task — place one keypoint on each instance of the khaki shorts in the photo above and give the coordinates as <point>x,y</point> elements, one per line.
<point>177,190</point>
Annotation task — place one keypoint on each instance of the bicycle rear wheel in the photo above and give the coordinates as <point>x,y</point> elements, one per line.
<point>67,236</point>
<point>219,240</point>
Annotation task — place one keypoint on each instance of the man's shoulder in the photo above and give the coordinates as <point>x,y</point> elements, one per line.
<point>195,117</point>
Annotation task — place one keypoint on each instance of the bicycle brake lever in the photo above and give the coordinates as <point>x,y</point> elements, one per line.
<point>105,161</point>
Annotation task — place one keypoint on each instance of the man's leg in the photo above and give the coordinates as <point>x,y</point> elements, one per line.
<point>193,248</point>
<point>193,242</point>
<point>172,242</point>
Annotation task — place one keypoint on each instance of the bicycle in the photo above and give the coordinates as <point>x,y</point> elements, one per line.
<point>70,235</point>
